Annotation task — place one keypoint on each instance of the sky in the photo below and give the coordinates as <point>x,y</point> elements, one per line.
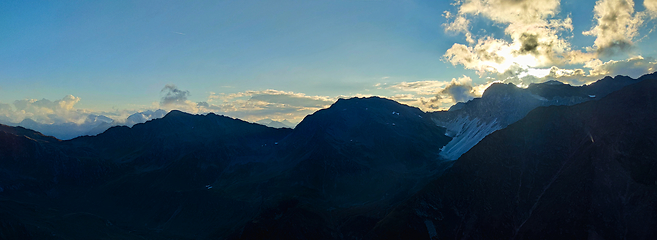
<point>61,61</point>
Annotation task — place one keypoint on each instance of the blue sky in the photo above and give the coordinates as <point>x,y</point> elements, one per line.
<point>284,59</point>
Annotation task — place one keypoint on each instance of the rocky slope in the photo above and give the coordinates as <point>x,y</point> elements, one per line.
<point>587,171</point>
<point>503,104</point>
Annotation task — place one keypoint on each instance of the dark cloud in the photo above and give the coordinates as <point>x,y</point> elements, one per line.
<point>459,92</point>
<point>203,104</point>
<point>614,48</point>
<point>529,43</point>
<point>173,95</point>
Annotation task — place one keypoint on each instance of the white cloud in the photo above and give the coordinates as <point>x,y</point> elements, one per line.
<point>272,104</point>
<point>536,44</point>
<point>420,87</point>
<point>437,95</point>
<point>531,25</point>
<point>460,24</point>
<point>617,26</point>
<point>44,110</point>
<point>651,6</point>
<point>633,67</point>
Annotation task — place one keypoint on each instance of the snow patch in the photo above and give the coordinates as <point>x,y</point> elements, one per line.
<point>430,228</point>
<point>465,133</point>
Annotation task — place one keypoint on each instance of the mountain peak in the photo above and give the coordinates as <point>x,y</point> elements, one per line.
<point>552,82</point>
<point>176,114</point>
<point>499,89</point>
<point>371,102</point>
<point>347,117</point>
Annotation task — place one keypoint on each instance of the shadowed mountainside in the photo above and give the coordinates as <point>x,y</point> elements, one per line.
<point>192,176</point>
<point>579,171</point>
<point>583,172</point>
<point>504,104</point>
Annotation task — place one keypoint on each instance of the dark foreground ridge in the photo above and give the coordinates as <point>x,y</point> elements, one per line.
<point>583,172</point>
<point>364,168</point>
<point>190,176</point>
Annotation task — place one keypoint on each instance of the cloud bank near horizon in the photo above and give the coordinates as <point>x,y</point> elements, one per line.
<point>60,118</point>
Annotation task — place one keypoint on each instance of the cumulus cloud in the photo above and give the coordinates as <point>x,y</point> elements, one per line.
<point>459,90</point>
<point>651,7</point>
<point>420,87</point>
<point>460,24</point>
<point>62,119</point>
<point>617,26</point>
<point>290,98</point>
<point>536,44</point>
<point>44,110</point>
<point>272,104</point>
<point>437,95</point>
<point>534,31</point>
<point>57,118</point>
<point>633,67</point>
<point>596,69</point>
<point>142,117</point>
<point>175,98</point>
<point>173,95</point>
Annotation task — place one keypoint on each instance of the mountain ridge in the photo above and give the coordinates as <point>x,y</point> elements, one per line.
<point>240,168</point>
<point>502,104</point>
<point>343,171</point>
<point>591,174</point>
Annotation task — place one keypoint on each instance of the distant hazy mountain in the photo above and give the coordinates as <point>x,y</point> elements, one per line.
<point>93,125</point>
<point>276,124</point>
<point>587,171</point>
<point>503,104</point>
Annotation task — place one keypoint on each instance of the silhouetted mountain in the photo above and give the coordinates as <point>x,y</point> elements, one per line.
<point>21,131</point>
<point>197,176</point>
<point>503,104</point>
<point>587,171</point>
<point>347,165</point>
<point>581,170</point>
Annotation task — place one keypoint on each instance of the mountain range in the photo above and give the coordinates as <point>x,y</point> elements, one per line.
<point>583,172</point>
<point>550,161</point>
<point>503,104</point>
<point>92,125</point>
